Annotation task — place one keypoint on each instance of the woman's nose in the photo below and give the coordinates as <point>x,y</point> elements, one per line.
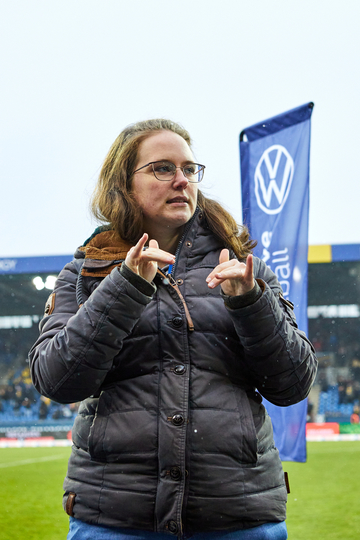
<point>180,179</point>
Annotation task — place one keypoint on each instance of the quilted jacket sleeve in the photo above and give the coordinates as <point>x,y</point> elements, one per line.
<point>77,346</point>
<point>278,356</point>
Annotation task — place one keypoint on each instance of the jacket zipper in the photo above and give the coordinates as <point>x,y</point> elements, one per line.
<point>172,267</point>
<point>170,273</point>
<point>168,279</point>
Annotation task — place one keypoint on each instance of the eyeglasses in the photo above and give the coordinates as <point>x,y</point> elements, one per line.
<point>165,171</point>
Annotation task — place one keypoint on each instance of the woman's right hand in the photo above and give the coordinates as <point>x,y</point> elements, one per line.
<point>144,263</point>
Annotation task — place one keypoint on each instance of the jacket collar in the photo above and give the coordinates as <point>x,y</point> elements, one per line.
<point>102,252</point>
<point>106,246</point>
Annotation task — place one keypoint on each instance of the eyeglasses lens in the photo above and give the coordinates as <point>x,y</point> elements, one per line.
<point>165,170</point>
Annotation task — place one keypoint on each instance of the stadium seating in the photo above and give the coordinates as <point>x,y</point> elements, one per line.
<point>330,406</point>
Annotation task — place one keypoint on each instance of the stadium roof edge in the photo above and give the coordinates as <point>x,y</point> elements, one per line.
<point>326,253</point>
<point>31,265</point>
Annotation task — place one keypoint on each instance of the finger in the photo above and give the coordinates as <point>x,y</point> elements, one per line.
<point>238,270</point>
<point>221,267</point>
<point>249,267</point>
<point>153,244</point>
<point>228,273</point>
<point>235,280</point>
<point>224,256</point>
<point>215,281</point>
<point>134,254</point>
<point>139,246</point>
<point>154,252</point>
<point>157,255</point>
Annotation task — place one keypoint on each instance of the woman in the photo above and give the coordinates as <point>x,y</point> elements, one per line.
<point>164,325</point>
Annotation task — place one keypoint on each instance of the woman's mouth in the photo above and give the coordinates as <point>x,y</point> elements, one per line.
<point>177,200</point>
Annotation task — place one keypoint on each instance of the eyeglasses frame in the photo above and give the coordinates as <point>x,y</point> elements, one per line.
<point>202,168</point>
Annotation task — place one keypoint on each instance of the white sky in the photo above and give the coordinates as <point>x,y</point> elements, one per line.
<point>74,73</point>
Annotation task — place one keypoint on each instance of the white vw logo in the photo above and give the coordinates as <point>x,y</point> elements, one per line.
<point>277,166</point>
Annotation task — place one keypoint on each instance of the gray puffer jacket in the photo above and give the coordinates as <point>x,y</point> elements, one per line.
<point>171,435</point>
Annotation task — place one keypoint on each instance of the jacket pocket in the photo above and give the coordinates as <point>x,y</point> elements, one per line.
<point>249,447</point>
<point>121,428</point>
<point>83,422</point>
<point>98,429</point>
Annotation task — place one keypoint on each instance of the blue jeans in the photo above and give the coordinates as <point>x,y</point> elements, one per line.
<point>79,530</point>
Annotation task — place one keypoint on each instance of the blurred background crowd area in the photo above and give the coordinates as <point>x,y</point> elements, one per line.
<point>334,397</point>
<point>333,328</point>
<point>336,393</point>
<point>19,400</point>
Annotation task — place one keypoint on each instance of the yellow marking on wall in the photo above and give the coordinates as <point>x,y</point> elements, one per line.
<point>320,254</point>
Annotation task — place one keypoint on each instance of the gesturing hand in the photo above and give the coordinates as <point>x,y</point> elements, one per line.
<point>145,263</point>
<point>235,278</point>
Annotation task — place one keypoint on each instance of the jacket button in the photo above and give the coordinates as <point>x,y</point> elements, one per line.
<point>177,321</point>
<point>172,526</point>
<point>179,369</point>
<point>188,244</point>
<point>178,419</point>
<point>175,473</point>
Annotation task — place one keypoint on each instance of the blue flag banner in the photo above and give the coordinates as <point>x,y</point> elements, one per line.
<point>275,200</point>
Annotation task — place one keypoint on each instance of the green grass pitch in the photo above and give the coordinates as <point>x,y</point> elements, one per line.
<point>323,503</point>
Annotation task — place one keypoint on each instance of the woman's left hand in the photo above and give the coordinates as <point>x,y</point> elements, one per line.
<point>235,278</point>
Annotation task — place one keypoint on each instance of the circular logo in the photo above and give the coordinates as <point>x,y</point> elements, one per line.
<point>273,178</point>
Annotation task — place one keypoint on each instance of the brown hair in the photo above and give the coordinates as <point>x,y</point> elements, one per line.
<point>113,201</point>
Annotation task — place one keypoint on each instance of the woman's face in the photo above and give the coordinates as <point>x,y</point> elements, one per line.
<point>164,204</point>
